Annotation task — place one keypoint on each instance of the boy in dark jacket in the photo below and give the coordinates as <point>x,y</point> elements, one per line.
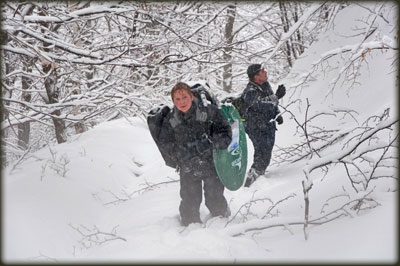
<point>260,111</point>
<point>189,134</point>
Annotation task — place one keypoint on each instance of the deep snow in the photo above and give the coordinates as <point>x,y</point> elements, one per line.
<point>42,210</point>
<point>92,199</point>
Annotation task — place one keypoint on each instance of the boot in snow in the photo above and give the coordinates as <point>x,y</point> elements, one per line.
<point>252,175</point>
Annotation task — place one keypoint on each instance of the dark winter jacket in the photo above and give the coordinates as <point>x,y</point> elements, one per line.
<point>189,138</point>
<point>260,106</point>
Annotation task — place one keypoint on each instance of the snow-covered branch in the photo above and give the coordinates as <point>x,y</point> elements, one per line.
<point>285,37</point>
<point>94,236</point>
<point>358,53</point>
<point>356,205</point>
<point>105,8</point>
<point>342,154</point>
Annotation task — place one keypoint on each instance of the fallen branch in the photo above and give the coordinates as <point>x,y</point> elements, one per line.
<point>145,189</point>
<point>360,204</point>
<point>93,237</point>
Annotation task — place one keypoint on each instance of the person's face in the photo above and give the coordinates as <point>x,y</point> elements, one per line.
<point>261,76</point>
<point>183,100</point>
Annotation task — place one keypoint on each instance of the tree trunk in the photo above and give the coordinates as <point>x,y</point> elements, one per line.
<point>24,129</point>
<point>52,94</point>
<point>227,74</point>
<point>50,85</point>
<point>285,24</point>
<point>79,126</point>
<point>300,46</point>
<point>7,69</point>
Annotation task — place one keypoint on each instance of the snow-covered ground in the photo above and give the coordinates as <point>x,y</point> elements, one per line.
<point>104,192</point>
<point>96,198</point>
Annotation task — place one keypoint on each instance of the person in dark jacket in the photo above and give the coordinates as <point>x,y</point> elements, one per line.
<point>260,113</point>
<point>189,134</point>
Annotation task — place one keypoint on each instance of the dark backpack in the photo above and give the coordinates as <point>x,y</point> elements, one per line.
<point>237,102</point>
<point>155,119</point>
<point>202,94</point>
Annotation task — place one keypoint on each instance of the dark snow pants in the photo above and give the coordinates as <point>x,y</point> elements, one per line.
<point>191,192</point>
<point>263,142</point>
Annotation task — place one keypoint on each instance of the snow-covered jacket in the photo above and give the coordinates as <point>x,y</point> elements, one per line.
<point>189,138</point>
<point>260,106</point>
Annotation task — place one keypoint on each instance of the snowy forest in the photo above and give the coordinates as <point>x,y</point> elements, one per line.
<point>69,66</point>
<point>78,79</point>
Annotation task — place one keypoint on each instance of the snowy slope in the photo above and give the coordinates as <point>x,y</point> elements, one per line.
<point>41,211</point>
<point>374,88</point>
<point>94,199</point>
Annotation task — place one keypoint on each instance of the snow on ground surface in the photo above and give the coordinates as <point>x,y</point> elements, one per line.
<point>44,212</point>
<point>94,199</point>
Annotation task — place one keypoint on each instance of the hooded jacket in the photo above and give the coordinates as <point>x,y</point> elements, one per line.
<point>189,138</point>
<point>260,107</point>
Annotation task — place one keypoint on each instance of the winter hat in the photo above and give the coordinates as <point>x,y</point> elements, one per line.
<point>253,69</point>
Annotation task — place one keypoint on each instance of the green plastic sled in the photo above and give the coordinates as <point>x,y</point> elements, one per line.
<point>231,163</point>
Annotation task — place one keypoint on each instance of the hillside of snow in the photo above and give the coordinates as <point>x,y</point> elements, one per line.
<point>106,195</point>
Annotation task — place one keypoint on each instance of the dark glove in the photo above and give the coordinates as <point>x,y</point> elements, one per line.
<point>281,91</point>
<point>279,119</point>
<point>183,169</point>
